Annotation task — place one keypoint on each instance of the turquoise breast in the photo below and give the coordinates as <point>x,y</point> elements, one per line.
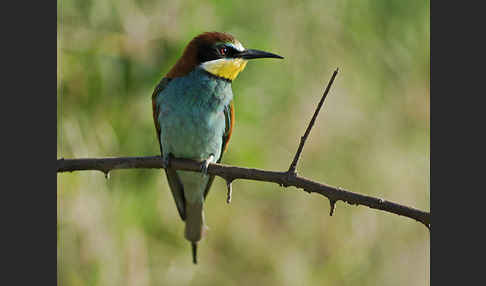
<point>191,116</point>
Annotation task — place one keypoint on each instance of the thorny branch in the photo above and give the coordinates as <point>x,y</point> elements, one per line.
<point>231,173</point>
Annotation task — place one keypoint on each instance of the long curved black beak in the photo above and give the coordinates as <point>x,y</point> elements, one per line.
<point>256,54</point>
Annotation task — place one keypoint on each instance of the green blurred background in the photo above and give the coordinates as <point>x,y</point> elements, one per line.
<point>371,137</point>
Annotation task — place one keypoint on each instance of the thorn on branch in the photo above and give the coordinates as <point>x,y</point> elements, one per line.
<point>333,205</point>
<point>229,186</point>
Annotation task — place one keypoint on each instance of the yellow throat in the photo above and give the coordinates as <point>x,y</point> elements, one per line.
<point>225,68</point>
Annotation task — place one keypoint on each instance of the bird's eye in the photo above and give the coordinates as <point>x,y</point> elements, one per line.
<point>223,50</point>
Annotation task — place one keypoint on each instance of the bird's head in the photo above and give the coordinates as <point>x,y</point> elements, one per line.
<point>220,54</point>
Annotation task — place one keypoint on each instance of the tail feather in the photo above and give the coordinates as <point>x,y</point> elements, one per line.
<point>177,190</point>
<point>194,226</point>
<point>194,252</point>
<point>194,221</point>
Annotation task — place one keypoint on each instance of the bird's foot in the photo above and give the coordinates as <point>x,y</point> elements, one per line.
<point>204,168</point>
<point>166,161</point>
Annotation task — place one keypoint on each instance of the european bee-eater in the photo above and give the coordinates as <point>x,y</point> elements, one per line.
<point>194,118</point>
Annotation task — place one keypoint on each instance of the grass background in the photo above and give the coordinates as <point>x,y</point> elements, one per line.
<point>371,137</point>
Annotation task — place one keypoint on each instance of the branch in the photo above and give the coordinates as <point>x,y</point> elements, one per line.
<point>231,173</point>
<point>311,124</point>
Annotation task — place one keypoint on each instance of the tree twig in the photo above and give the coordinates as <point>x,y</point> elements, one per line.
<point>293,165</point>
<point>232,173</point>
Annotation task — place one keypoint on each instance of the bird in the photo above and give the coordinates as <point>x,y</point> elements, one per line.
<point>194,116</point>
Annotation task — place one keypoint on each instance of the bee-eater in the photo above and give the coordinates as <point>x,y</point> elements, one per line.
<point>194,118</point>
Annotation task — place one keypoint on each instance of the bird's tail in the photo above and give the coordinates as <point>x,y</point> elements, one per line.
<point>194,226</point>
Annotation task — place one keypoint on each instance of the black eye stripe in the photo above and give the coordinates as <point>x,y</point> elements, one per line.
<point>229,50</point>
<point>208,53</point>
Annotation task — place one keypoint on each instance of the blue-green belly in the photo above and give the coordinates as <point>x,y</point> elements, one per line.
<point>192,123</point>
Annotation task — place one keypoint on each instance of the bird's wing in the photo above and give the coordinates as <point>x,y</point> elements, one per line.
<point>175,184</point>
<point>229,112</point>
<point>229,115</point>
<point>155,108</point>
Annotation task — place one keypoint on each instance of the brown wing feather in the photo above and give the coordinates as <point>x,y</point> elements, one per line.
<point>229,127</point>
